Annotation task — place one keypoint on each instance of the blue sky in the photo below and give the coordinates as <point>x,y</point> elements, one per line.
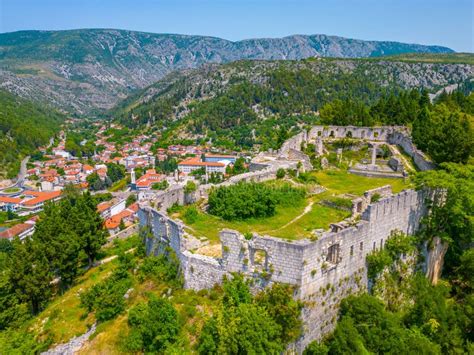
<point>442,22</point>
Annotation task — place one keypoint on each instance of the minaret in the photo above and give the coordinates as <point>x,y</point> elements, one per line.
<point>133,179</point>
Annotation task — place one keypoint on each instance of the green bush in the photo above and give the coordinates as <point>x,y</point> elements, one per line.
<point>162,185</point>
<point>251,200</point>
<point>154,326</point>
<point>376,262</point>
<point>163,268</point>
<point>106,298</point>
<point>191,215</point>
<point>280,174</point>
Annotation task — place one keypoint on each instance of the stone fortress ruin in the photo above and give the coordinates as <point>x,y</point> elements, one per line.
<point>323,270</point>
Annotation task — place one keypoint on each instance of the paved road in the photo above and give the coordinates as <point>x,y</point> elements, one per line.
<point>21,175</point>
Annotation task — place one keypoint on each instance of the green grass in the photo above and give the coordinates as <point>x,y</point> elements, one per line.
<point>11,190</point>
<point>454,58</point>
<point>118,246</point>
<point>64,318</point>
<point>208,226</point>
<point>342,182</point>
<point>337,182</point>
<point>118,185</point>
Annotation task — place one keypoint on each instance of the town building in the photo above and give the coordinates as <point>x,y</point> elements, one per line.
<point>191,164</point>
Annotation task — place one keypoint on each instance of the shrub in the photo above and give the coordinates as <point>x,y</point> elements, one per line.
<point>375,197</point>
<point>280,174</point>
<point>242,201</point>
<point>154,326</point>
<point>190,187</point>
<point>191,215</point>
<point>163,268</point>
<point>251,200</point>
<point>162,185</point>
<point>106,298</point>
<point>376,262</point>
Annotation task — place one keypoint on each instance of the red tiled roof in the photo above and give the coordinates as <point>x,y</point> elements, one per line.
<point>7,199</point>
<point>114,221</point>
<point>41,197</point>
<point>197,162</point>
<point>101,207</point>
<point>16,230</point>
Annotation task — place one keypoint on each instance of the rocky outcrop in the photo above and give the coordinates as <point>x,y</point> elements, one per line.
<point>72,346</point>
<point>85,70</point>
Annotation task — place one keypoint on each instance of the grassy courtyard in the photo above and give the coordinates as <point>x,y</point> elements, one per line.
<point>295,222</point>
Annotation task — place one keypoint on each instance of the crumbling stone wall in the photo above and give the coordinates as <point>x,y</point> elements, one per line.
<point>380,133</point>
<point>397,135</point>
<point>324,271</point>
<point>419,158</point>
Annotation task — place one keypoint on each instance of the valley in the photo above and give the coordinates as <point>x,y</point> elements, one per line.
<point>167,193</point>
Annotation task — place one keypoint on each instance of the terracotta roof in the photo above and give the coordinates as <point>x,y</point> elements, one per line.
<point>16,230</point>
<point>197,162</point>
<point>114,221</point>
<point>101,207</point>
<point>149,178</point>
<point>41,197</point>
<point>7,199</point>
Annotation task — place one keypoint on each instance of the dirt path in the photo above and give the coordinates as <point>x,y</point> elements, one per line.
<point>110,258</point>
<point>306,210</point>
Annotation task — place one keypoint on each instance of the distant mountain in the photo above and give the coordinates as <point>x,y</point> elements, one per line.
<point>81,71</point>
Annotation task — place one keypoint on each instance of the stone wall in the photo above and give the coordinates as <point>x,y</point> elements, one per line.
<point>369,133</point>
<point>419,158</point>
<point>164,199</point>
<point>324,271</point>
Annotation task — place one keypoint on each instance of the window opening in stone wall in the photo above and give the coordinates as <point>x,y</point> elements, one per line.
<point>331,134</point>
<point>260,259</point>
<point>349,134</point>
<point>333,254</point>
<point>352,250</point>
<point>361,246</point>
<point>374,247</point>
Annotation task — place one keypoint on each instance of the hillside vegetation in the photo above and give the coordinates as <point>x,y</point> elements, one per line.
<point>24,126</point>
<point>84,71</point>
<point>260,104</point>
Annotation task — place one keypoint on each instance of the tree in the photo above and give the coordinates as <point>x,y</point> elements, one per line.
<point>29,274</point>
<point>445,135</point>
<point>279,303</point>
<point>280,173</point>
<point>190,187</point>
<point>154,325</point>
<point>449,222</point>
<point>115,172</point>
<point>90,229</point>
<point>131,199</point>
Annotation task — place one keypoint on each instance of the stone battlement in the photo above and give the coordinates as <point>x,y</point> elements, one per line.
<point>323,270</point>
<point>336,259</point>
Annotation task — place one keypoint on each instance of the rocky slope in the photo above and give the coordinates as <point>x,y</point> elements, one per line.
<point>209,81</point>
<point>82,71</point>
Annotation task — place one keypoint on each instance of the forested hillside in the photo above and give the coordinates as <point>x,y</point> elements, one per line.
<point>243,104</point>
<point>24,126</point>
<point>84,71</point>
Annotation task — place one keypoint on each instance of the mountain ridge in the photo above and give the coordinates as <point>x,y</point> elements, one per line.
<point>87,70</point>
